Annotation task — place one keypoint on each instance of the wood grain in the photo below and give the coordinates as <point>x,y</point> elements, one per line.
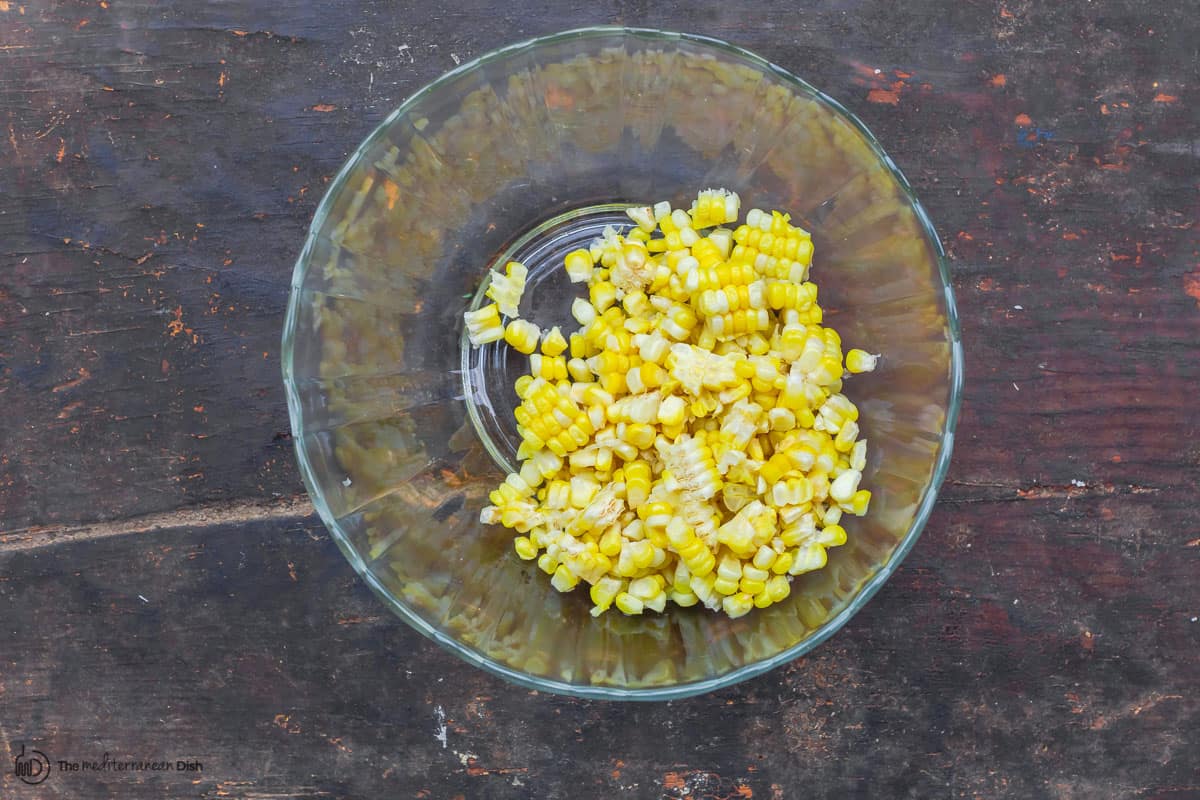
<point>253,649</point>
<point>159,164</point>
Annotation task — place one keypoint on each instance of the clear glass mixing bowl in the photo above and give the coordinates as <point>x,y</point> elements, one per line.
<point>401,431</point>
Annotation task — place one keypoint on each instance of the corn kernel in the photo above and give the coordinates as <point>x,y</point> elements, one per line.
<point>506,289</point>
<point>483,326</point>
<point>860,361</point>
<point>583,311</point>
<point>628,604</point>
<point>640,435</point>
<point>643,216</point>
<point>522,335</point>
<point>563,579</point>
<point>737,605</point>
<point>859,502</point>
<point>603,295</point>
<point>845,485</point>
<point>553,342</point>
<point>579,265</point>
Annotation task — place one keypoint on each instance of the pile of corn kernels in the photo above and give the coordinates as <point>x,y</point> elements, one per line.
<point>690,442</point>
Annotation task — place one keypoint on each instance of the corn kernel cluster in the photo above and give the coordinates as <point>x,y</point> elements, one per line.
<point>689,442</point>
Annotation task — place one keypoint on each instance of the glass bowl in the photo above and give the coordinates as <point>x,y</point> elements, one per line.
<point>401,430</point>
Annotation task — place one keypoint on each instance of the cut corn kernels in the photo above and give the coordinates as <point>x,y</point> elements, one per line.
<point>484,326</point>
<point>522,335</point>
<point>507,289</point>
<point>579,266</point>
<point>860,361</point>
<point>553,343</point>
<point>689,442</point>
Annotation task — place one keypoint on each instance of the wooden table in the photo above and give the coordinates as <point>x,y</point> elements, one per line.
<point>167,593</point>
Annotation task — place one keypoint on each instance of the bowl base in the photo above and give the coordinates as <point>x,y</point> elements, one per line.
<point>490,372</point>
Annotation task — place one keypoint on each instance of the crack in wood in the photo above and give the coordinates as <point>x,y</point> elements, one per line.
<point>36,537</point>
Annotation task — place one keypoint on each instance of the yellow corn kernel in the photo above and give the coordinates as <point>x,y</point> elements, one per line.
<point>832,535</point>
<point>610,542</point>
<point>859,502</point>
<point>579,346</point>
<point>765,557</point>
<point>845,485</point>
<point>637,483</point>
<point>579,265</point>
<point>646,588</point>
<point>525,548</point>
<point>553,342</point>
<point>774,469</point>
<point>547,563</point>
<point>603,295</point>
<point>484,326</point>
<point>671,411</point>
<point>725,586</point>
<point>846,436</point>
<point>683,599</point>
<point>781,419</point>
<point>603,593</point>
<point>640,435</point>
<point>583,311</point>
<point>786,294</point>
<point>628,604</point>
<point>507,289</point>
<point>809,557</point>
<point>643,553</point>
<point>577,368</point>
<point>860,361</point>
<point>522,385</point>
<point>522,335</point>
<point>858,455</point>
<point>583,489</point>
<point>752,587</point>
<point>678,323</point>
<point>635,303</point>
<point>838,409</point>
<point>705,254</point>
<point>604,460</point>
<point>652,375</point>
<point>737,605</point>
<point>563,579</point>
<point>643,216</point>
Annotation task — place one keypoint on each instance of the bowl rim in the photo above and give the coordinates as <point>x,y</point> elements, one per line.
<point>674,691</point>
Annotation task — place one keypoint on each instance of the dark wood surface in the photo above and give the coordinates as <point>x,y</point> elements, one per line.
<point>166,592</point>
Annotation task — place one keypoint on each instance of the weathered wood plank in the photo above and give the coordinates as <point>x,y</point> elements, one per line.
<point>256,651</point>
